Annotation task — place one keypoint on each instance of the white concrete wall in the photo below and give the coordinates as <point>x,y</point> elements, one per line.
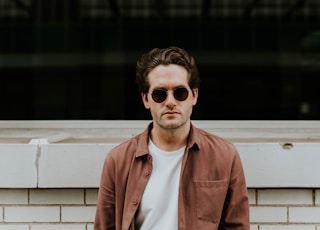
<point>50,170</point>
<point>78,165</point>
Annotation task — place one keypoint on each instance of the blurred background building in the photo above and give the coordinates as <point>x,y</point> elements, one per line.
<point>75,59</point>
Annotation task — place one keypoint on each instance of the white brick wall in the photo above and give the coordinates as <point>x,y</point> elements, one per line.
<point>74,209</point>
<point>43,188</point>
<point>31,213</point>
<point>268,214</point>
<point>14,227</point>
<point>304,214</point>
<point>285,197</point>
<point>13,196</point>
<point>284,209</point>
<point>317,198</point>
<point>47,209</point>
<point>56,196</point>
<point>287,227</point>
<point>59,227</point>
<point>77,214</point>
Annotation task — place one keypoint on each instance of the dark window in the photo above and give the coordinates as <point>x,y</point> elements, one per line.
<point>75,59</point>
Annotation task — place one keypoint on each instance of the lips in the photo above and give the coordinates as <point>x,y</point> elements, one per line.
<point>171,113</point>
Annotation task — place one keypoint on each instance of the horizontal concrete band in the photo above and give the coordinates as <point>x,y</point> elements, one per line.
<point>69,157</point>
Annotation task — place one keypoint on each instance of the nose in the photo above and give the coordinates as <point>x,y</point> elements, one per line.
<point>170,100</point>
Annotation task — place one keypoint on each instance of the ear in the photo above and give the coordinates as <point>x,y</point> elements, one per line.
<point>195,92</point>
<point>145,101</point>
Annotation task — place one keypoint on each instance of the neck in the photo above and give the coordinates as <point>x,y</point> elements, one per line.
<point>170,139</point>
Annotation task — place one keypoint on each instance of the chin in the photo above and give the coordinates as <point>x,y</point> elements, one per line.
<point>172,124</point>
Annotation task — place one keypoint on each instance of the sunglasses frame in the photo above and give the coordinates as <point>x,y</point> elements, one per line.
<point>162,94</point>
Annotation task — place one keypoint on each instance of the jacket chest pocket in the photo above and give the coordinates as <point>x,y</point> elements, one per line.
<point>210,197</point>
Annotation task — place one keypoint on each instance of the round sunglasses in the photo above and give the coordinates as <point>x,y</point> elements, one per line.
<point>160,95</point>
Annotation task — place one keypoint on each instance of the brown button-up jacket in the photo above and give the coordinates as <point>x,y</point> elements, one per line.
<point>212,192</point>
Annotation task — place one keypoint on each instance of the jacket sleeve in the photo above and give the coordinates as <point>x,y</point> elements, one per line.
<point>235,215</point>
<point>105,211</point>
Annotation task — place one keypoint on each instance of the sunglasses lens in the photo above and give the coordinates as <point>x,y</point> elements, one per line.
<point>159,95</point>
<point>181,94</point>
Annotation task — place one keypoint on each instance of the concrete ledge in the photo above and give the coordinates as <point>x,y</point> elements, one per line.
<point>18,166</point>
<point>71,165</point>
<point>281,165</point>
<point>70,154</point>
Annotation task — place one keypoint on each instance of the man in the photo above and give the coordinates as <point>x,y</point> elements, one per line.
<point>173,175</point>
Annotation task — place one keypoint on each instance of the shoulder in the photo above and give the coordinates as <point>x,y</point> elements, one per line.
<point>205,137</point>
<point>213,143</point>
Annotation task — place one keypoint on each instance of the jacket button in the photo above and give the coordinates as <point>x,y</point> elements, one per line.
<point>135,202</point>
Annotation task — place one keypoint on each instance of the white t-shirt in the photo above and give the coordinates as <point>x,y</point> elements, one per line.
<point>159,205</point>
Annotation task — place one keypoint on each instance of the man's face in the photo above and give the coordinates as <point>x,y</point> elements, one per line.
<point>172,113</point>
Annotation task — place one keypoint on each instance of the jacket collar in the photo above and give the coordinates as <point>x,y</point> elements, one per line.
<point>143,138</point>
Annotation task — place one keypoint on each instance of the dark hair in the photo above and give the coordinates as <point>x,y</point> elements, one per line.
<point>165,56</point>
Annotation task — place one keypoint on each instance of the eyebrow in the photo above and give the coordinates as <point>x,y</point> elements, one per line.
<point>178,86</point>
